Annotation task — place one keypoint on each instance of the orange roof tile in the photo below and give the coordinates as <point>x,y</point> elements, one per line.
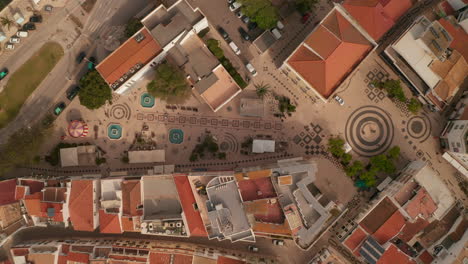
<point>7,191</point>
<point>57,208</point>
<point>421,205</point>
<point>127,224</point>
<point>390,228</point>
<point>377,16</point>
<point>109,223</point>
<point>81,205</point>
<point>74,257</point>
<point>20,251</point>
<point>330,54</point>
<point>159,258</point>
<point>412,228</point>
<point>460,38</point>
<point>33,203</point>
<point>393,255</point>
<point>20,192</point>
<point>182,259</point>
<point>187,199</point>
<point>355,239</point>
<point>128,55</point>
<point>426,258</point>
<point>34,186</point>
<point>226,260</point>
<point>131,198</point>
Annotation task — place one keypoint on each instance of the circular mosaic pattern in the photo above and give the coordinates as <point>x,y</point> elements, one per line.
<point>419,127</point>
<point>176,136</point>
<point>369,131</point>
<point>120,111</point>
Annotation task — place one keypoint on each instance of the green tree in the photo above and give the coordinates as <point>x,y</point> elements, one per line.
<point>354,169</point>
<point>262,89</point>
<point>284,105</point>
<point>222,155</point>
<point>193,157</point>
<point>261,12</point>
<point>381,163</point>
<point>213,46</point>
<point>346,159</point>
<point>336,147</point>
<point>393,153</point>
<point>94,91</point>
<point>132,26</point>
<point>169,84</point>
<point>6,21</point>
<point>414,106</point>
<point>368,177</point>
<point>394,89</point>
<point>304,6</point>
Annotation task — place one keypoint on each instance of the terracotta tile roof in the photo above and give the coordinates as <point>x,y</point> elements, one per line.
<point>130,259</point>
<point>34,186</point>
<point>182,259</point>
<point>453,72</point>
<point>57,209</point>
<point>127,224</point>
<point>226,260</point>
<point>460,38</point>
<point>187,199</point>
<point>378,215</point>
<point>421,205</point>
<point>437,229</point>
<point>20,192</point>
<point>54,194</point>
<point>7,192</point>
<point>377,16</point>
<point>426,258</point>
<point>131,198</point>
<point>74,257</point>
<point>81,205</point>
<point>393,255</point>
<point>159,258</point>
<point>256,189</point>
<point>330,54</point>
<point>390,228</point>
<point>65,248</point>
<point>128,55</point>
<point>109,223</point>
<point>269,217</point>
<point>20,251</point>
<point>355,239</point>
<point>252,175</point>
<point>32,203</point>
<point>412,228</point>
<point>40,258</point>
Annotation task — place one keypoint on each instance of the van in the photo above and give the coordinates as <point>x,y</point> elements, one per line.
<point>276,33</point>
<point>251,69</point>
<point>234,48</point>
<point>22,34</point>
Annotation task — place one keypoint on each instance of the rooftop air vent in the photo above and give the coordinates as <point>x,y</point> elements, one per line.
<point>139,37</point>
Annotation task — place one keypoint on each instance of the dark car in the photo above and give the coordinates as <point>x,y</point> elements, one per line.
<point>91,63</point>
<point>252,25</point>
<point>35,19</point>
<point>80,57</point>
<point>223,33</point>
<point>59,108</point>
<point>244,34</point>
<point>73,92</point>
<point>245,19</point>
<point>3,73</point>
<point>29,26</point>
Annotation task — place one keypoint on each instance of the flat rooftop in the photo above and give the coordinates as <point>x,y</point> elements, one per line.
<point>137,50</point>
<point>160,198</point>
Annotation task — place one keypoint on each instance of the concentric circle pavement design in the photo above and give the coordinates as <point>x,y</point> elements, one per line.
<point>419,127</point>
<point>120,111</point>
<point>369,131</point>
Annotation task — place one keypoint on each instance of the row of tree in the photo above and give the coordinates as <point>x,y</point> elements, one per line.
<point>365,176</point>
<point>394,90</point>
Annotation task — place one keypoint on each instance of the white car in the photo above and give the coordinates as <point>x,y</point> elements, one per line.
<point>234,48</point>
<point>251,69</point>
<point>278,242</point>
<point>276,33</point>
<point>9,46</point>
<point>252,248</point>
<point>339,100</point>
<point>234,6</point>
<point>22,34</point>
<point>15,40</point>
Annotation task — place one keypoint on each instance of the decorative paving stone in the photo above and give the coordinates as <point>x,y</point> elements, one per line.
<point>380,75</point>
<point>235,123</point>
<point>317,129</point>
<point>214,122</point>
<point>371,95</point>
<point>302,144</point>
<point>301,134</point>
<point>317,139</point>
<point>193,120</point>
<point>225,122</point>
<point>297,139</point>
<point>381,95</point>
<point>161,118</point>
<point>267,126</point>
<point>307,139</point>
<point>140,116</point>
<point>278,126</point>
<point>419,127</point>
<point>370,75</point>
<point>246,124</point>
<point>171,119</point>
<point>150,117</point>
<point>181,119</point>
<point>203,121</point>
<point>257,125</point>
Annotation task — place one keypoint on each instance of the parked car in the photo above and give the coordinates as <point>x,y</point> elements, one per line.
<point>339,100</point>
<point>223,33</point>
<point>244,34</point>
<point>251,69</point>
<point>3,73</point>
<point>305,17</point>
<point>29,26</point>
<point>279,25</point>
<point>59,108</point>
<point>252,248</point>
<point>239,14</point>
<point>73,92</point>
<point>35,19</point>
<point>48,8</point>
<point>278,242</point>
<point>80,57</point>
<point>234,6</point>
<point>22,34</point>
<point>234,48</point>
<point>276,33</point>
<point>231,1</point>
<point>9,46</point>
<point>252,25</point>
<point>15,40</point>
<point>245,19</point>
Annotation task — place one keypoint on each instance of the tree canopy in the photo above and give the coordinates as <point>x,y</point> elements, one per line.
<point>336,147</point>
<point>304,6</point>
<point>169,84</point>
<point>414,106</point>
<point>132,26</point>
<point>354,169</point>
<point>94,91</point>
<point>261,12</point>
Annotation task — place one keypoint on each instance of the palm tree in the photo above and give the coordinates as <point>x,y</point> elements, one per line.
<point>262,89</point>
<point>6,21</point>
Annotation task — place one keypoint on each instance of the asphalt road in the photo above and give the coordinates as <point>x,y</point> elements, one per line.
<point>106,15</point>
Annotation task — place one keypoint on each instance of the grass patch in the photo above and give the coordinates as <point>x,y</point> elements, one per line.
<point>88,5</point>
<point>26,79</point>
